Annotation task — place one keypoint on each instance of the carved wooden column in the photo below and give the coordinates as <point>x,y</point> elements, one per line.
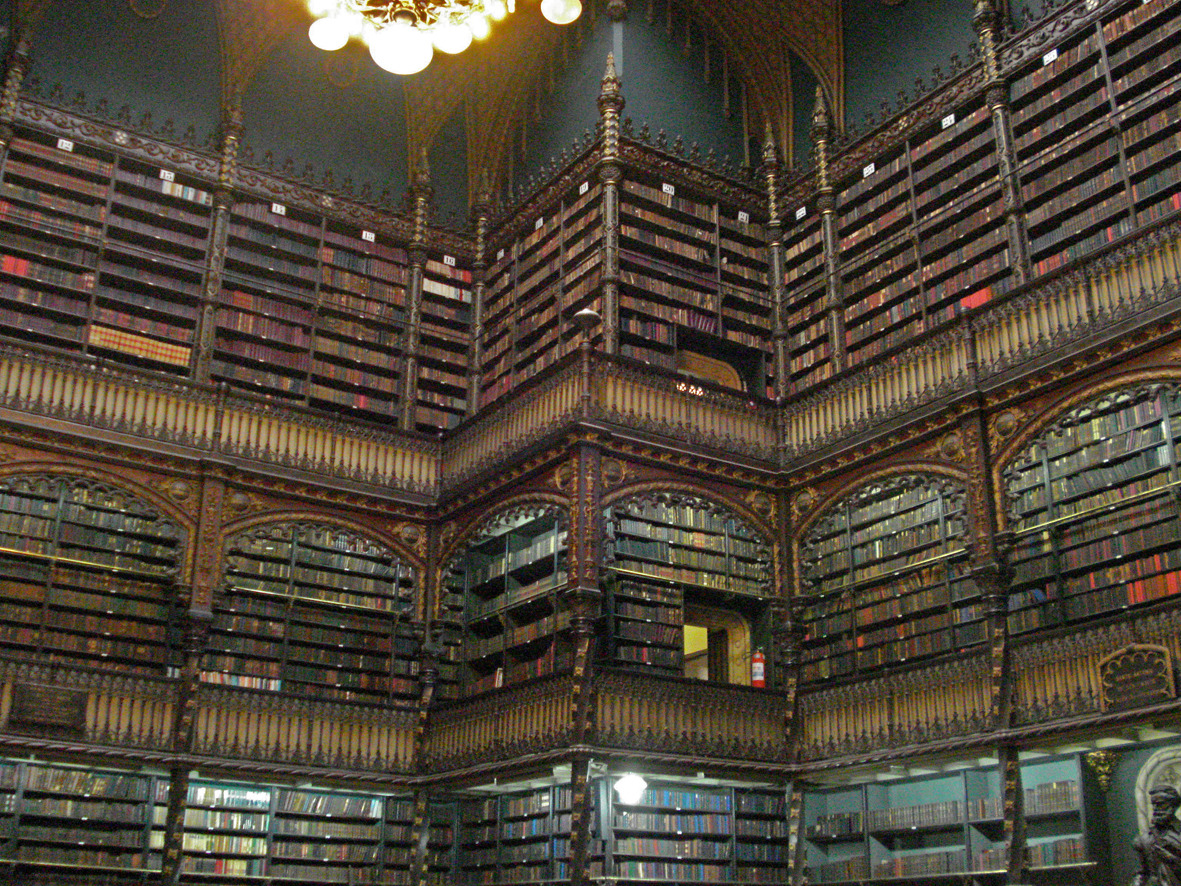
<point>610,174</point>
<point>480,212</point>
<point>219,228</point>
<point>775,264</point>
<point>195,637</point>
<point>1013,796</point>
<point>420,192</point>
<point>796,847</point>
<point>987,20</point>
<point>583,600</point>
<point>420,838</point>
<point>826,203</point>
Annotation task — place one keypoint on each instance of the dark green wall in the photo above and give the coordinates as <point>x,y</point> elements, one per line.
<point>803,95</point>
<point>887,47</point>
<point>663,85</point>
<point>337,111</point>
<point>167,65</point>
<point>449,168</point>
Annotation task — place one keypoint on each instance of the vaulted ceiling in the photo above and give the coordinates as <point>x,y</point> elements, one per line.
<point>493,87</point>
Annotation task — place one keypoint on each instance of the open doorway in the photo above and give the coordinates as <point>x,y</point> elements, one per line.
<point>717,645</point>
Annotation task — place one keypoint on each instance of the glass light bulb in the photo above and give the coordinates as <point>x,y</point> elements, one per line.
<point>452,38</point>
<point>321,8</point>
<point>479,26</point>
<point>496,9</point>
<point>561,12</point>
<point>329,34</point>
<point>401,49</point>
<point>630,788</point>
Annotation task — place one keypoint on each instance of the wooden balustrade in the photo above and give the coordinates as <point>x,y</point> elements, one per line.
<point>117,710</point>
<point>535,717</point>
<point>917,706</point>
<point>240,724</point>
<point>1059,676</point>
<point>512,423</point>
<point>646,712</point>
<point>627,394</point>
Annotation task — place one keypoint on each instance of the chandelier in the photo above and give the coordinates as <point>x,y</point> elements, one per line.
<point>402,35</point>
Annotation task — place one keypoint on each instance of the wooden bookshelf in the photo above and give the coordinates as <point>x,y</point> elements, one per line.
<point>444,343</point>
<point>510,581</point>
<point>87,575</point>
<point>1094,506</point>
<point>948,826</point>
<point>537,282</point>
<point>315,611</point>
<point>667,553</point>
<point>809,337</point>
<point>885,579</point>
<point>515,837</point>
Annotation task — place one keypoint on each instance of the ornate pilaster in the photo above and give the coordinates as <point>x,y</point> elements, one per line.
<point>195,636</point>
<point>797,862</point>
<point>775,265</point>
<point>583,602</point>
<point>826,203</point>
<point>420,193</point>
<point>987,21</point>
<point>480,212</point>
<point>219,227</point>
<point>1013,795</point>
<point>420,838</point>
<point>431,649</point>
<point>610,174</point>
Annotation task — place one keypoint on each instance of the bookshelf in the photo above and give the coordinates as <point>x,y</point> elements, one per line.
<point>693,275</point>
<point>809,336</point>
<point>1094,507</point>
<point>885,579</point>
<point>537,282</point>
<point>515,837</point>
<point>684,831</point>
<point>669,552</point>
<point>443,343</point>
<point>950,825</point>
<point>314,610</point>
<point>69,819</point>
<point>509,583</point>
<point>87,575</point>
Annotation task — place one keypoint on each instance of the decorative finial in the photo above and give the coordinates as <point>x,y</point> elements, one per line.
<point>821,120</point>
<point>611,84</point>
<point>422,171</point>
<point>769,156</point>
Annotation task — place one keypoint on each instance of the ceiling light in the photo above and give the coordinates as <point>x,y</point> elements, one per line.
<point>561,12</point>
<point>402,34</point>
<point>630,788</point>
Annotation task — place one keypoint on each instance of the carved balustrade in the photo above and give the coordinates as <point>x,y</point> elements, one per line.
<point>528,719</point>
<point>942,701</point>
<point>103,708</point>
<point>644,712</point>
<point>263,727</point>
<point>1058,677</point>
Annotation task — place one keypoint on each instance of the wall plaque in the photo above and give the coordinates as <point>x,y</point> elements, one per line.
<point>1136,676</point>
<point>48,711</point>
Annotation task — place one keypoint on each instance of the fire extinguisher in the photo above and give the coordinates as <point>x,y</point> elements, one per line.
<point>758,669</point>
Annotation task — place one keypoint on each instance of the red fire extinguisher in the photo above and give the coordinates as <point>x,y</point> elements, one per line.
<point>758,669</point>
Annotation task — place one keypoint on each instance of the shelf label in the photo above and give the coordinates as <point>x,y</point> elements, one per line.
<point>583,188</point>
<point>499,254</point>
<point>867,171</point>
<point>743,216</point>
<point>947,121</point>
<point>1049,57</point>
<point>278,209</point>
<point>167,175</point>
<point>801,212</point>
<point>64,144</point>
<point>667,188</point>
<point>449,260</point>
<point>537,224</point>
<point>369,236</point>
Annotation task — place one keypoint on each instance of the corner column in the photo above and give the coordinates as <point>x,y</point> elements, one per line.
<point>775,268</point>
<point>480,213</point>
<point>826,203</point>
<point>420,193</point>
<point>610,174</point>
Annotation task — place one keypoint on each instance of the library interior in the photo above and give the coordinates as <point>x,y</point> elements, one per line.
<point>696,443</point>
